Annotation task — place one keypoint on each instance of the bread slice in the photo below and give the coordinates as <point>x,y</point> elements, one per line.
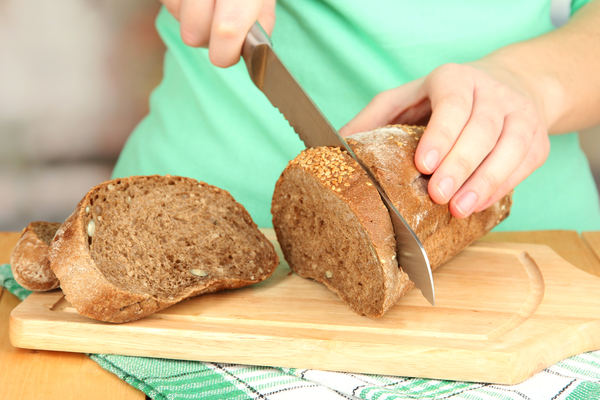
<point>29,259</point>
<point>334,228</point>
<point>136,245</point>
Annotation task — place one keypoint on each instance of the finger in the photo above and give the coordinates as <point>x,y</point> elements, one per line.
<point>451,93</point>
<point>173,7</point>
<point>477,140</point>
<point>385,107</point>
<point>195,18</point>
<point>509,153</point>
<point>535,158</point>
<point>417,114</point>
<point>266,18</point>
<point>231,23</point>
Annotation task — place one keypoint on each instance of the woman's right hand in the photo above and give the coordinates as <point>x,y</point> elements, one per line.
<point>220,25</point>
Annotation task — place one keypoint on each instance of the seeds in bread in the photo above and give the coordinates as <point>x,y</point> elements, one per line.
<point>29,259</point>
<point>337,225</point>
<point>136,245</point>
<point>333,228</point>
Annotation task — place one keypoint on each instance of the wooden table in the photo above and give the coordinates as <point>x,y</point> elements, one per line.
<point>31,374</point>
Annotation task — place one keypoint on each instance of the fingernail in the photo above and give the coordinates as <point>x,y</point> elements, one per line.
<point>445,187</point>
<point>466,202</point>
<point>483,206</point>
<point>430,160</point>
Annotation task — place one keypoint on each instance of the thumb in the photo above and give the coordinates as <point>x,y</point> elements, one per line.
<point>386,107</point>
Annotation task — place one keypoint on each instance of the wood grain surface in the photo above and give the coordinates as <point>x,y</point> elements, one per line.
<point>49,375</point>
<point>504,312</point>
<point>567,244</point>
<point>592,239</point>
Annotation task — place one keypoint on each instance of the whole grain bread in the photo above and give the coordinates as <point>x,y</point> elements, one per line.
<point>29,259</point>
<point>334,228</point>
<point>136,245</point>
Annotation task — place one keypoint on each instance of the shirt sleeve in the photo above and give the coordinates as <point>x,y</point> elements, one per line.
<point>577,4</point>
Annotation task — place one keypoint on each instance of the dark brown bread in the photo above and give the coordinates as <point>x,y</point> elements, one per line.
<point>137,245</point>
<point>333,227</point>
<point>29,258</point>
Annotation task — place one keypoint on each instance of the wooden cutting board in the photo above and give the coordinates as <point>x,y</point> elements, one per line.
<point>504,312</point>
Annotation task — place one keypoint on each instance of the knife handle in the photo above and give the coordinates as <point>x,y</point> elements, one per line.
<point>255,37</point>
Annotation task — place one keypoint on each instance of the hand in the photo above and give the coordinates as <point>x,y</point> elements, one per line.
<point>485,132</point>
<point>220,25</point>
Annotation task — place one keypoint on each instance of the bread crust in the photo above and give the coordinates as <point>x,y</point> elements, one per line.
<point>29,259</point>
<point>364,210</point>
<point>87,288</point>
<point>388,153</point>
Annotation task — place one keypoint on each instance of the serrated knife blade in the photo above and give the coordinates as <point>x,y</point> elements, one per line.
<point>270,75</point>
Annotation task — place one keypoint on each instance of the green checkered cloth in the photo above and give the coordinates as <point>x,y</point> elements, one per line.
<point>575,378</point>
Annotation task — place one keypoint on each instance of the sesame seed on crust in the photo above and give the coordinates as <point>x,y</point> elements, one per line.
<point>330,165</point>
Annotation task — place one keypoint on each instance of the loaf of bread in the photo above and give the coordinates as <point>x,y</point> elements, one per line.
<point>137,245</point>
<point>334,228</point>
<point>29,259</point>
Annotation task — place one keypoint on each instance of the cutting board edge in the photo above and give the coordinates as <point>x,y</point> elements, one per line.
<point>503,360</point>
<point>501,366</point>
<point>323,353</point>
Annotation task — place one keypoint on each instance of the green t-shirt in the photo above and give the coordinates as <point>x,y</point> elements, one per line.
<point>214,125</point>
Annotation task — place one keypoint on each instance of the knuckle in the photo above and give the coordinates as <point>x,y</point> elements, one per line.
<point>463,165</point>
<point>502,91</point>
<point>445,133</point>
<point>527,108</point>
<point>451,68</point>
<point>487,123</point>
<point>522,138</point>
<point>189,37</point>
<point>228,29</point>
<point>490,182</point>
<point>457,102</point>
<point>457,75</point>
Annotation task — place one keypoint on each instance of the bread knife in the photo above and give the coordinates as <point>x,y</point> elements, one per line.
<point>270,75</point>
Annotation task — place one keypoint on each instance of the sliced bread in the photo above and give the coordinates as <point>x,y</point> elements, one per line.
<point>334,228</point>
<point>29,259</point>
<point>136,245</point>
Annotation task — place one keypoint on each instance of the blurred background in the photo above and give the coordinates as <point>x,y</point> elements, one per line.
<point>75,76</point>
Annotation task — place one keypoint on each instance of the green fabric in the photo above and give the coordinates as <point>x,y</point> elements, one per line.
<point>576,378</point>
<point>8,281</point>
<point>577,4</point>
<point>214,125</point>
<point>585,391</point>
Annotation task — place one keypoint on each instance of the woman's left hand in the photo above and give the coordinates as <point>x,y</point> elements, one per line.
<point>486,132</point>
